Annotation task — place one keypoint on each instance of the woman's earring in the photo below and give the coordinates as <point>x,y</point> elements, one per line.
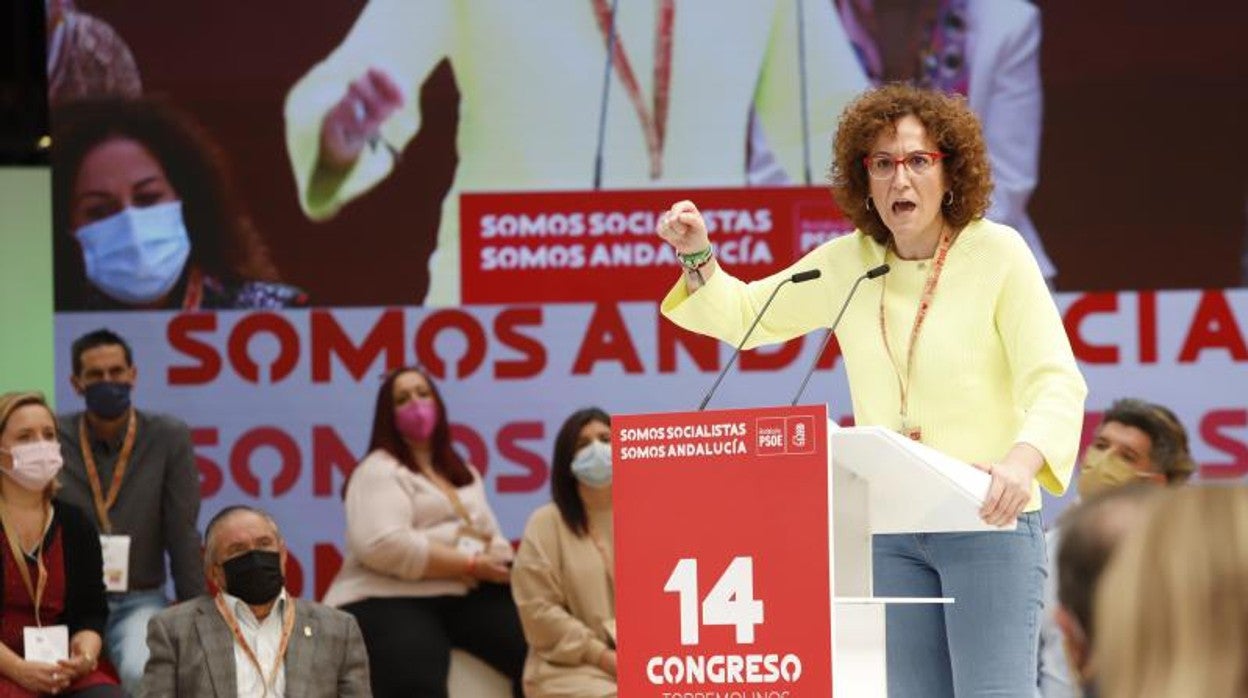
<point>868,203</point>
<point>949,198</point>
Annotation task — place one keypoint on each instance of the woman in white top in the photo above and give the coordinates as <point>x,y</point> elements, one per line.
<point>427,568</point>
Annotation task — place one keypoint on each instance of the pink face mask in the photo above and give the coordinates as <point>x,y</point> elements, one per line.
<point>34,464</point>
<point>416,419</point>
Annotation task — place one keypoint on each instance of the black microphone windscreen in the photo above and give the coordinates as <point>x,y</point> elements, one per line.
<point>877,272</point>
<point>807,275</point>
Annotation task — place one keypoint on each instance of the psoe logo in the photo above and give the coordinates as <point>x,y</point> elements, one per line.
<point>771,435</point>
<point>801,433</point>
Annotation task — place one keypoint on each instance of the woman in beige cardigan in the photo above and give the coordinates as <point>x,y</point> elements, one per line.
<point>426,566</point>
<point>563,579</point>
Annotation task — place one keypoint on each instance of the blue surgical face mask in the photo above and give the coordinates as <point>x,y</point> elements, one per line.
<point>136,255</point>
<point>592,464</point>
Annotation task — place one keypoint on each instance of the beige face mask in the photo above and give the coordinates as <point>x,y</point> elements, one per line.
<point>1104,470</point>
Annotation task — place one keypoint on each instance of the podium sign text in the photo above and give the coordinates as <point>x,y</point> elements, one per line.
<point>721,553</point>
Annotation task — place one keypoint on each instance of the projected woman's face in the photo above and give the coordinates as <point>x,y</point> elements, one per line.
<point>117,174</point>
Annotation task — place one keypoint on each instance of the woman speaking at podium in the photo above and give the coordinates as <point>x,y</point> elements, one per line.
<point>959,346</point>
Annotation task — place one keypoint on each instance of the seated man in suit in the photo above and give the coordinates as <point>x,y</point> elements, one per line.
<point>252,638</point>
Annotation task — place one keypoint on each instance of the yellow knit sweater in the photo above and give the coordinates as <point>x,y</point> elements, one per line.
<point>993,366</point>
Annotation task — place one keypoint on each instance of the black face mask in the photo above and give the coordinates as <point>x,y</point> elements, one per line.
<point>255,576</point>
<point>107,399</point>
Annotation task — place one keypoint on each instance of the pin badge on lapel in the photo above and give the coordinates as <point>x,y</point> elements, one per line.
<point>307,631</point>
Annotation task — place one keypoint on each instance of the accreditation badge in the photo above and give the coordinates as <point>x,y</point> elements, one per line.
<point>48,644</point>
<point>116,550</point>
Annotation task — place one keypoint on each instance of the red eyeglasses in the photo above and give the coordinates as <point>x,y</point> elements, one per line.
<point>884,166</point>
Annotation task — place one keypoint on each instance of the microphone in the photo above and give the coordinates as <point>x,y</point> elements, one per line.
<point>802,90</point>
<point>873,273</point>
<point>797,278</point>
<point>606,90</point>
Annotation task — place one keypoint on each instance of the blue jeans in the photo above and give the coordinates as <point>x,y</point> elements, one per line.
<point>125,638</point>
<point>985,643</point>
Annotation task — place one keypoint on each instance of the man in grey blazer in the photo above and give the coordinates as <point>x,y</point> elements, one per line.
<point>252,638</point>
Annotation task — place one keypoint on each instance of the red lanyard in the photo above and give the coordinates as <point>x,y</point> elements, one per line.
<point>194,297</point>
<point>920,314</point>
<point>288,622</point>
<point>103,504</point>
<point>653,120</point>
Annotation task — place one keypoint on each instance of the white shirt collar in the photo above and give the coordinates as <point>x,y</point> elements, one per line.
<point>242,610</point>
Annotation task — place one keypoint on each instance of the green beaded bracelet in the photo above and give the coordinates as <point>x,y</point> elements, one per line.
<point>696,259</point>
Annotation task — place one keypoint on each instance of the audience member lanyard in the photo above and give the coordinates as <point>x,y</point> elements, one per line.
<point>102,504</point>
<point>288,623</point>
<point>653,120</point>
<point>457,504</point>
<point>35,589</point>
<point>920,314</point>
<point>448,490</point>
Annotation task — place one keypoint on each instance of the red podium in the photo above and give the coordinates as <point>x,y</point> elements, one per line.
<point>722,553</point>
<point>731,579</point>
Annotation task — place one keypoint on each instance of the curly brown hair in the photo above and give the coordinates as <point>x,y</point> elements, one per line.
<point>224,243</point>
<point>949,123</point>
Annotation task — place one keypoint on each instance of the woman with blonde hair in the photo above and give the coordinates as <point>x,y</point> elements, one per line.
<point>1171,610</point>
<point>50,566</point>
